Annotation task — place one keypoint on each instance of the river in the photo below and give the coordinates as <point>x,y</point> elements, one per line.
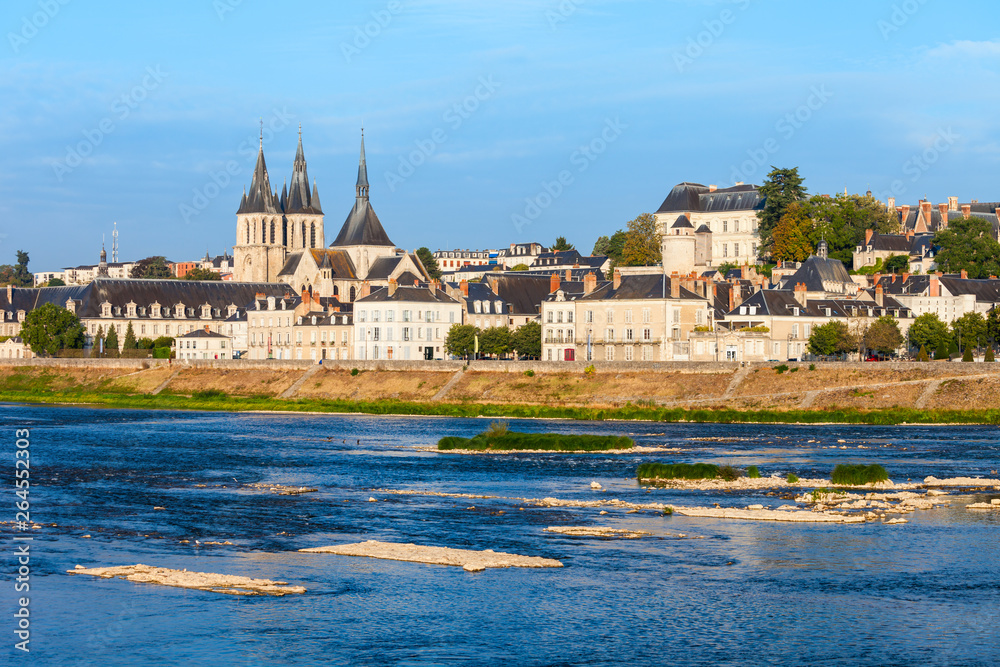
<point>728,593</point>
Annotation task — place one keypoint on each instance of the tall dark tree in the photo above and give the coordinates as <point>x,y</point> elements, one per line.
<point>22,277</point>
<point>130,343</point>
<point>842,221</point>
<point>782,187</point>
<point>429,262</point>
<point>968,245</point>
<point>111,341</point>
<point>601,246</point>
<point>790,239</point>
<point>561,245</point>
<point>48,329</point>
<point>151,267</point>
<point>616,247</point>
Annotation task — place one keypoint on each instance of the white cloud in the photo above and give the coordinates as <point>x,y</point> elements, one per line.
<point>967,49</point>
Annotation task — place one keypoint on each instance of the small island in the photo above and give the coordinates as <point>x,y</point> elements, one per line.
<point>499,439</point>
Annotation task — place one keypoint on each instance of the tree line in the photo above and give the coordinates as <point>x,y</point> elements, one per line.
<point>495,342</point>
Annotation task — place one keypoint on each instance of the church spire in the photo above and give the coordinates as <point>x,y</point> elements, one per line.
<point>299,198</point>
<point>362,187</point>
<point>260,199</point>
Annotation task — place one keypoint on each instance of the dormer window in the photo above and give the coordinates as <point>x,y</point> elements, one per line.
<point>283,304</point>
<point>498,307</point>
<point>130,309</point>
<point>155,310</point>
<point>314,320</point>
<point>299,321</point>
<point>179,310</point>
<point>743,310</point>
<point>270,303</point>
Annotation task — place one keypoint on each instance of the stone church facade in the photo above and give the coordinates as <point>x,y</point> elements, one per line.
<point>281,238</point>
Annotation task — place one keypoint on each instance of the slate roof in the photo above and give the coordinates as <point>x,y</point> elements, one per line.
<point>524,293</point>
<point>782,303</point>
<point>338,260</point>
<point>890,243</point>
<point>682,222</point>
<point>260,198</point>
<point>637,287</point>
<point>408,294</point>
<point>201,333</point>
<point>362,227</point>
<point>300,199</point>
<point>690,197</point>
<point>144,293</point>
<point>816,271</point>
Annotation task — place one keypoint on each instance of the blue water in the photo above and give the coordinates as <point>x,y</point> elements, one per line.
<point>749,593</point>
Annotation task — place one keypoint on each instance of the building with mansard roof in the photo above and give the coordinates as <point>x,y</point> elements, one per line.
<point>281,238</point>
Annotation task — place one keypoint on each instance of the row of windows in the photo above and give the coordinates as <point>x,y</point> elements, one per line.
<point>648,353</point>
<point>278,339</point>
<point>192,344</point>
<point>180,310</point>
<point>390,316</point>
<point>408,333</point>
<point>269,231</point>
<point>559,316</point>
<point>723,249</point>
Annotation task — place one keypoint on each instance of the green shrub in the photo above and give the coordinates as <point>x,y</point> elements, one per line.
<point>781,369</point>
<point>209,394</point>
<point>161,352</point>
<point>753,472</point>
<point>794,370</point>
<point>677,471</point>
<point>730,474</point>
<point>497,429</point>
<point>668,511</point>
<point>967,355</point>
<point>990,356</point>
<point>514,441</point>
<point>856,474</point>
<point>589,371</point>
<point>922,354</point>
<point>529,373</point>
<point>812,367</point>
<point>792,479</point>
<point>355,372</point>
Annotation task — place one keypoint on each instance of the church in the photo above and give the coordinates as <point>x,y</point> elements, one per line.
<point>281,238</point>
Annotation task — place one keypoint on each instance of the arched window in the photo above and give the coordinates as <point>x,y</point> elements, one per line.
<point>272,231</point>
<point>263,231</point>
<point>303,235</point>
<point>284,232</point>
<point>336,291</point>
<point>353,294</point>
<point>248,232</point>
<point>312,235</point>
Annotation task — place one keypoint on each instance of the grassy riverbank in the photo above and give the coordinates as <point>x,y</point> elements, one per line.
<point>220,401</point>
<point>512,441</point>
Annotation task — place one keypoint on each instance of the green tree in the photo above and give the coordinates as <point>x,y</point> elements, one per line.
<point>990,355</point>
<point>98,337</point>
<point>843,220</point>
<point>144,344</point>
<point>993,325</point>
<point>151,267</point>
<point>616,247</point>
<point>969,330</point>
<point>782,187</point>
<point>199,273</point>
<point>942,351</point>
<point>968,245</point>
<point>643,245</point>
<point>50,328</point>
<point>130,342</point>
<point>930,332</point>
<point>163,341</point>
<point>429,262</point>
<point>22,276</point>
<point>6,274</point>
<point>495,341</point>
<point>883,335</point>
<point>561,245</point>
<point>111,341</point>
<point>519,267</point>
<point>967,355</point>
<point>790,238</point>
<point>527,340</point>
<point>461,340</point>
<point>897,264</point>
<point>922,355</point>
<point>601,246</point>
<point>830,338</point>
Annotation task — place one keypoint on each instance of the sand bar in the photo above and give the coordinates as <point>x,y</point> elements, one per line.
<point>204,581</point>
<point>472,561</point>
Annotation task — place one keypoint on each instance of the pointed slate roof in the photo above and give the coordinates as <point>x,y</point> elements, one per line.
<point>300,200</point>
<point>260,199</point>
<point>362,226</point>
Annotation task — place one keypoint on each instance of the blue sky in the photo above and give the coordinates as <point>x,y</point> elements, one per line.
<point>485,123</point>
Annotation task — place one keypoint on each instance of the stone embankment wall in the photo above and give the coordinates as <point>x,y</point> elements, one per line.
<point>822,386</point>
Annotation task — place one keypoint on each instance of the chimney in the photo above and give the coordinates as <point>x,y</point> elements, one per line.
<point>905,213</point>
<point>712,188</point>
<point>10,294</point>
<point>589,283</point>
<point>909,234</point>
<point>569,275</point>
<point>894,278</point>
<point>306,300</point>
<point>739,182</point>
<point>876,278</point>
<point>616,279</point>
<point>392,286</point>
<point>952,203</point>
<point>868,235</point>
<point>366,290</point>
<point>965,274</point>
<point>800,294</point>
<point>935,287</point>
<point>464,286</point>
<point>494,284</point>
<point>925,211</point>
<point>732,298</point>
<point>553,282</point>
<point>675,286</point>
<point>906,276</point>
<point>966,211</point>
<point>879,295</point>
<point>891,205</point>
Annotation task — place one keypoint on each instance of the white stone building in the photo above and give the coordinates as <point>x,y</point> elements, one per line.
<point>404,323</point>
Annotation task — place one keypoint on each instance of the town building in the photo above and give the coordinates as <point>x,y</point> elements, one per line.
<point>14,348</point>
<point>203,344</point>
<point>451,260</point>
<point>917,248</point>
<point>519,253</point>
<point>630,318</point>
<point>404,323</point>
<point>705,226</point>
